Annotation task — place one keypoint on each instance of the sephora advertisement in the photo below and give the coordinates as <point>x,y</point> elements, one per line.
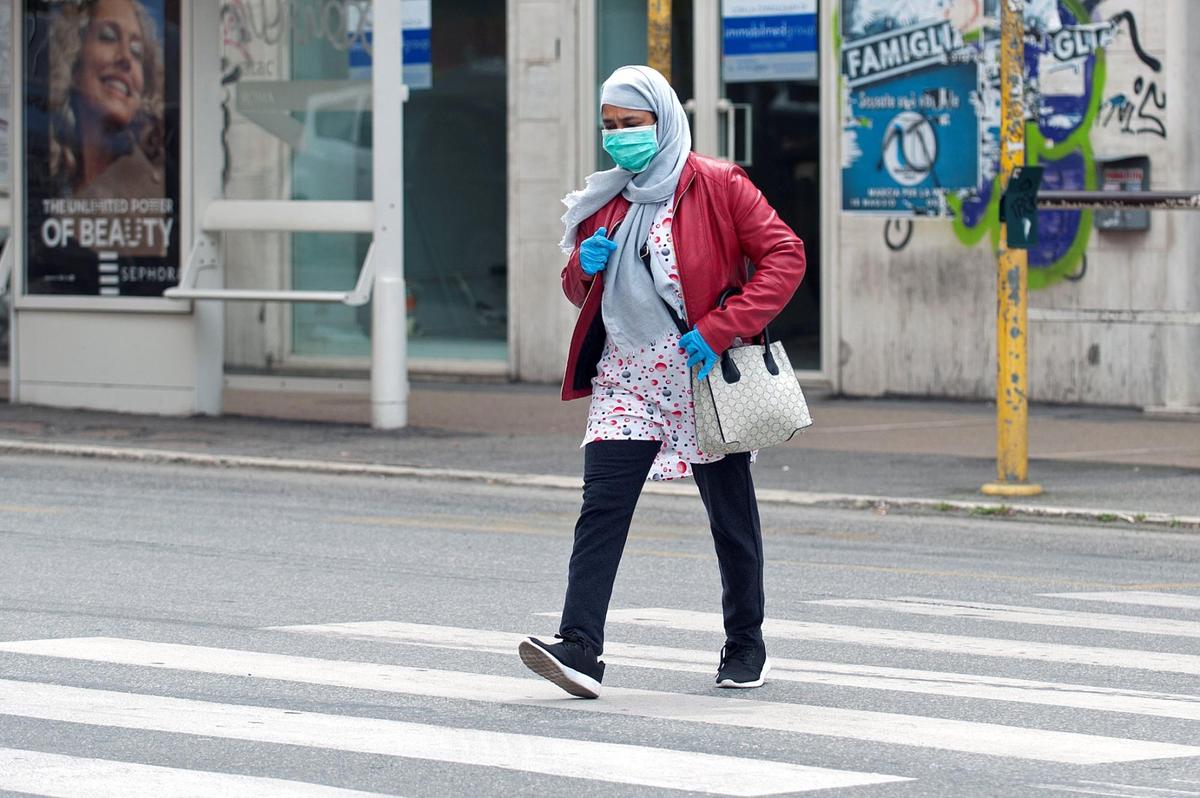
<point>101,140</point>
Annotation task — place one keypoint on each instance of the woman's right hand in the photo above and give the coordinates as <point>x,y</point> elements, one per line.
<point>594,252</point>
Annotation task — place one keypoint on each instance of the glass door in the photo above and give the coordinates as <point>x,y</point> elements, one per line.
<point>746,71</point>
<point>768,120</point>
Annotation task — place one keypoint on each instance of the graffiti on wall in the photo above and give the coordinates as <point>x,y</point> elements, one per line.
<point>1141,111</point>
<point>1066,103</point>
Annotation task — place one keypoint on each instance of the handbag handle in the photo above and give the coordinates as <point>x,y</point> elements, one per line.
<point>729,369</point>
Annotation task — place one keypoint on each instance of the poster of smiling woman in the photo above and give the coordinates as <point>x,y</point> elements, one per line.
<point>101,100</point>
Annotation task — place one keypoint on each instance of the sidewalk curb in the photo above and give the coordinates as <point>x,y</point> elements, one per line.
<point>776,496</point>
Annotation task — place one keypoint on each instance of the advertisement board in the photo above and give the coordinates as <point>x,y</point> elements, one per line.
<point>100,101</point>
<point>911,84</point>
<point>917,136</point>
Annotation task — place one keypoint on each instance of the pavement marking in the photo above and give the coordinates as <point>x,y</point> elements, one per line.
<point>610,762</point>
<point>882,727</point>
<point>59,776</point>
<point>1144,598</point>
<point>869,677</point>
<point>920,641</point>
<point>1138,787</point>
<point>1113,791</point>
<point>29,510</point>
<point>1035,616</point>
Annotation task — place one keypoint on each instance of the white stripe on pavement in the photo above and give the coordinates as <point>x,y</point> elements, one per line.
<point>1139,597</point>
<point>882,727</point>
<point>869,677</point>
<point>1036,616</point>
<point>920,641</point>
<point>609,762</point>
<point>58,776</point>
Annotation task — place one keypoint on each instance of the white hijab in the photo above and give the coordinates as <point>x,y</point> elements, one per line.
<point>634,315</point>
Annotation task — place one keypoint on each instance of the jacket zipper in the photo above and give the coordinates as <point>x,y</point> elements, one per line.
<point>679,260</point>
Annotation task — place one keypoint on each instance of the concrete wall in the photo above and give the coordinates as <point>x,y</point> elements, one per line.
<point>1181,291</point>
<point>543,165</point>
<point>920,321</point>
<point>126,362</point>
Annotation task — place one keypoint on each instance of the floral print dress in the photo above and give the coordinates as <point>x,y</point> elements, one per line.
<point>647,394</point>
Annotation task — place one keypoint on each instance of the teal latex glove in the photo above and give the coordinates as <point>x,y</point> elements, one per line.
<point>699,352</point>
<point>594,252</point>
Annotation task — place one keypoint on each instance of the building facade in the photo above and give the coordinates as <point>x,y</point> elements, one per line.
<point>276,105</point>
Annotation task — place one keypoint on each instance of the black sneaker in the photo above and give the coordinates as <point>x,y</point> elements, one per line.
<point>569,664</point>
<point>743,665</point>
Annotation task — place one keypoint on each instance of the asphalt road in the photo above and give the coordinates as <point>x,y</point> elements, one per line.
<point>141,648</point>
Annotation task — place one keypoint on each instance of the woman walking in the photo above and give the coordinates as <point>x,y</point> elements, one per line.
<point>666,232</point>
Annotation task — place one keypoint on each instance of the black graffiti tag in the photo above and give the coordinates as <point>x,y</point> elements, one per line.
<point>897,233</point>
<point>1141,113</point>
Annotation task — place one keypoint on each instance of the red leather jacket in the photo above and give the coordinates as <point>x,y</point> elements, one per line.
<point>721,221</point>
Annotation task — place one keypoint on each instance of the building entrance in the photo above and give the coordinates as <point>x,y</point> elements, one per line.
<point>749,81</point>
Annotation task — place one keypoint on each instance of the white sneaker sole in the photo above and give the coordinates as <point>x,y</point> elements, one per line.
<point>543,663</point>
<point>756,683</point>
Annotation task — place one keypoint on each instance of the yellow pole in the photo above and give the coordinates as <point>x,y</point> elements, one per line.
<point>1012,311</point>
<point>658,36</point>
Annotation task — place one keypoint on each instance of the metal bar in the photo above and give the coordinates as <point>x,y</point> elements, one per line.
<point>1185,318</point>
<point>361,294</point>
<point>1012,379</point>
<point>706,60</point>
<point>255,295</point>
<point>6,265</point>
<point>304,216</point>
<point>658,36</point>
<point>389,311</point>
<point>1120,200</point>
<point>206,254</point>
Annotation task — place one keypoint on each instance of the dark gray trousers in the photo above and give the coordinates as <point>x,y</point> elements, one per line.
<point>613,475</point>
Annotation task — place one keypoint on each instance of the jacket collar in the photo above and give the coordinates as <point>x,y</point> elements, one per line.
<point>686,176</point>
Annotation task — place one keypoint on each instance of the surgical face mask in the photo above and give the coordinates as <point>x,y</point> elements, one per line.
<point>632,148</point>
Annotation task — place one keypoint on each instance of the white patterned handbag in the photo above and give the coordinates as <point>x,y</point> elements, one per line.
<point>750,400</point>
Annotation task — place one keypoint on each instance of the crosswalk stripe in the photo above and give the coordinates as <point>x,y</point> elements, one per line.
<point>1138,597</point>
<point>883,727</point>
<point>1036,616</point>
<point>871,677</point>
<point>920,641</point>
<point>59,776</point>
<point>584,759</point>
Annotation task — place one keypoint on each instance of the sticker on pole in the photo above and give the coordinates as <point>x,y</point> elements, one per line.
<point>1018,207</point>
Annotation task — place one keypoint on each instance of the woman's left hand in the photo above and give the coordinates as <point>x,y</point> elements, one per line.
<point>699,352</point>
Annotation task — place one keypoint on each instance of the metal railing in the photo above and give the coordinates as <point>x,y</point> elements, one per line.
<point>229,216</point>
<point>6,267</point>
<point>1118,201</point>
